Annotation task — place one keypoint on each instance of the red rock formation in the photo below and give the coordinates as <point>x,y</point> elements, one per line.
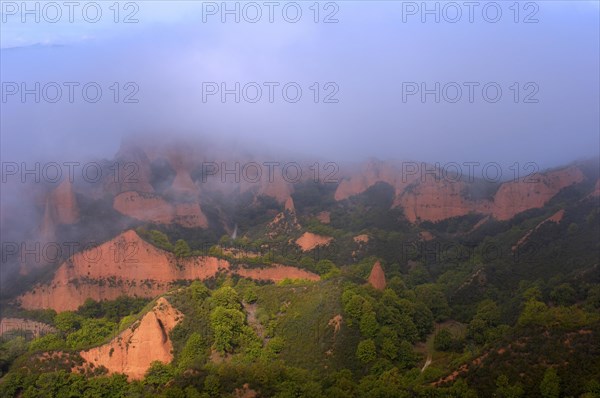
<point>144,342</point>
<point>128,265</point>
<point>47,229</point>
<point>377,277</point>
<point>515,197</point>
<point>428,199</point>
<point>285,221</point>
<point>289,205</point>
<point>426,236</point>
<point>181,159</point>
<point>153,208</point>
<point>309,241</point>
<point>63,204</point>
<point>60,208</point>
<point>144,206</point>
<point>434,201</point>
<point>130,170</point>
<point>190,215</point>
<point>372,173</point>
<point>363,238</point>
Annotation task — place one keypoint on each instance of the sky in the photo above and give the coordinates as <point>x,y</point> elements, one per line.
<point>385,79</point>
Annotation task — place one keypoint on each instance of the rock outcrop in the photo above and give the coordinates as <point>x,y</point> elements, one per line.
<point>130,171</point>
<point>153,208</point>
<point>63,204</point>
<point>427,198</point>
<point>60,207</point>
<point>125,265</point>
<point>377,277</point>
<point>144,342</point>
<point>309,241</point>
<point>128,265</point>
<point>515,197</point>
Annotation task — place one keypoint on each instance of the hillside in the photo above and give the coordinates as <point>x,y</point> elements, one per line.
<point>376,285</point>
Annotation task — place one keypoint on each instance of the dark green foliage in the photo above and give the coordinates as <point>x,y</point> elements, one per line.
<point>366,351</point>
<point>550,385</point>
<point>112,310</point>
<point>92,332</point>
<point>182,249</point>
<point>157,238</point>
<point>527,319</point>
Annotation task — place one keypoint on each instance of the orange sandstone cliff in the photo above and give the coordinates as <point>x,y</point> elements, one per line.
<point>128,265</point>
<point>144,342</point>
<point>377,277</point>
<point>309,241</point>
<point>428,199</point>
<point>152,207</point>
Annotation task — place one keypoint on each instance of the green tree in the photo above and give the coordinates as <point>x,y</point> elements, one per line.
<point>443,340</point>
<point>423,320</point>
<point>90,309</point>
<point>182,249</point>
<point>67,321</point>
<point>159,374</point>
<point>488,312</point>
<point>397,285</point>
<point>227,325</point>
<point>550,385</point>
<point>368,324</point>
<point>198,291</point>
<point>476,330</point>
<point>212,385</point>
<point>433,296</point>
<point>353,308</point>
<point>48,342</point>
<point>406,355</point>
<point>505,390</point>
<point>324,266</point>
<point>193,354</point>
<point>563,294</point>
<point>366,351</point>
<point>227,297</point>
<point>533,293</point>
<point>307,263</point>
<point>389,348</point>
<point>159,239</point>
<point>92,332</point>
<point>250,295</point>
<point>534,313</point>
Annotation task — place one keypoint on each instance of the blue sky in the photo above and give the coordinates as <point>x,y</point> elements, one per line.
<point>370,55</point>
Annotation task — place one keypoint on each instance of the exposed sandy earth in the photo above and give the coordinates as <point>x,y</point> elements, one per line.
<point>144,342</point>
<point>152,207</point>
<point>425,199</point>
<point>309,241</point>
<point>364,238</point>
<point>128,265</point>
<point>377,277</point>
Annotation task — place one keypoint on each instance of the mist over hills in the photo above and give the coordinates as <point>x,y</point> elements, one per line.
<point>300,199</point>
